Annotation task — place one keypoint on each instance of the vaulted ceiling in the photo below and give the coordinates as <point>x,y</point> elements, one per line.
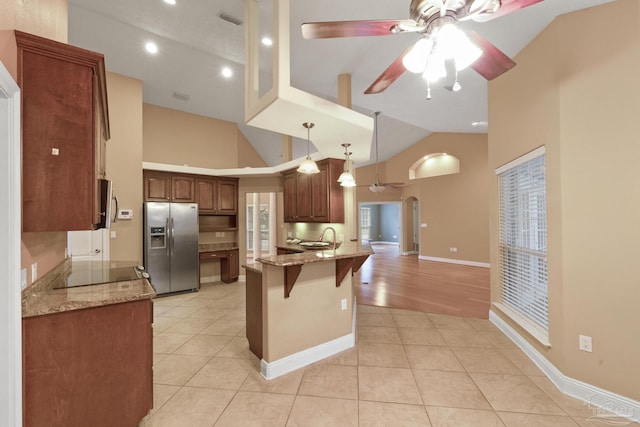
<point>195,43</point>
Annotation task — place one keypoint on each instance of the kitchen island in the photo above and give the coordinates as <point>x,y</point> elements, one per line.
<point>87,350</point>
<point>300,305</point>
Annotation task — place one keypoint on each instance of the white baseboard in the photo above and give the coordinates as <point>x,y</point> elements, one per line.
<point>305,357</point>
<point>242,278</point>
<point>410,253</point>
<point>455,261</point>
<point>595,397</point>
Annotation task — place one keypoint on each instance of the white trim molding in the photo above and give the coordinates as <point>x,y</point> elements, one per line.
<point>11,289</point>
<point>305,357</point>
<point>455,261</point>
<point>604,403</point>
<point>522,159</point>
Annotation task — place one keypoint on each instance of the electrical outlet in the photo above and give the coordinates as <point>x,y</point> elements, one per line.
<point>113,234</point>
<point>23,278</point>
<point>584,343</point>
<point>289,234</point>
<point>34,272</point>
<point>343,304</point>
<point>453,249</point>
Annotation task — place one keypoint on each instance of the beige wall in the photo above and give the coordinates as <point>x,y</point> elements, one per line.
<point>177,138</point>
<point>310,316</point>
<point>45,18</point>
<point>124,163</point>
<point>454,207</point>
<point>572,92</point>
<point>248,157</point>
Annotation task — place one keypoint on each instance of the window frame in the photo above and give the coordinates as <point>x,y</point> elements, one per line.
<point>520,299</point>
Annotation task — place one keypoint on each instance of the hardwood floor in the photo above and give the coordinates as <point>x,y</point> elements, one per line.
<point>387,279</point>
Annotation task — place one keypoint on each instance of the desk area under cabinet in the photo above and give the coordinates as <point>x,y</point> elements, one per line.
<point>226,253</point>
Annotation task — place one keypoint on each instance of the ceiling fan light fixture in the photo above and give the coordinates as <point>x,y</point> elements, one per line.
<point>376,188</point>
<point>416,60</point>
<point>435,69</point>
<point>308,166</point>
<point>454,43</point>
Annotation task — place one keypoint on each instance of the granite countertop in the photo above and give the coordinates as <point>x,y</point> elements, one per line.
<point>253,266</point>
<point>211,247</point>
<point>345,250</point>
<point>41,298</point>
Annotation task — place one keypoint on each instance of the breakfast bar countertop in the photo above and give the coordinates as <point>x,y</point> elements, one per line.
<point>48,295</point>
<point>345,250</point>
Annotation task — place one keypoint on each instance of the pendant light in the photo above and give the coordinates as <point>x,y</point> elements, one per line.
<point>308,165</point>
<point>346,179</point>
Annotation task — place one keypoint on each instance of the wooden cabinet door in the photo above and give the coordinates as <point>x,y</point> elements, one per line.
<point>289,194</point>
<point>183,189</point>
<point>207,195</point>
<point>320,195</point>
<point>58,158</point>
<point>234,264</point>
<point>80,369</point>
<point>303,198</point>
<point>227,196</point>
<point>157,186</point>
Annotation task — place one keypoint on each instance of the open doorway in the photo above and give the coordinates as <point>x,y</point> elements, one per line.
<point>261,225</point>
<point>380,224</point>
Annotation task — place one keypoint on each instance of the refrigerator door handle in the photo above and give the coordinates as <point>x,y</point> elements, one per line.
<point>167,236</point>
<point>172,235</point>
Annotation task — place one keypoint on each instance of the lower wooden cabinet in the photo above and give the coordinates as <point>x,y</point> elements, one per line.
<point>229,263</point>
<point>89,367</point>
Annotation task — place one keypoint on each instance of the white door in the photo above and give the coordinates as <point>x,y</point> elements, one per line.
<point>89,245</point>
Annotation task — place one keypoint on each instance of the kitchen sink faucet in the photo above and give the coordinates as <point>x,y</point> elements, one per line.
<point>334,235</point>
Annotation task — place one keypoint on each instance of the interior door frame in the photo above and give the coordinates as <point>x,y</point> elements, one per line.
<point>401,223</point>
<point>10,252</point>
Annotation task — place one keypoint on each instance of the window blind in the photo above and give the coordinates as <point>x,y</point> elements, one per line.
<point>523,240</point>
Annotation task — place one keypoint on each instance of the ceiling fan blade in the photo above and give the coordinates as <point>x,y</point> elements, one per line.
<point>493,61</point>
<point>507,7</point>
<point>389,75</point>
<point>324,30</point>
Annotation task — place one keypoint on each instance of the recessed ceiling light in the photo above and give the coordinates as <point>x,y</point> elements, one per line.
<point>267,41</point>
<point>227,72</point>
<point>171,2</point>
<point>151,47</point>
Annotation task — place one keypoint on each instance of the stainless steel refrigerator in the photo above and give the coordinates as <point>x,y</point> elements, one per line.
<point>171,246</point>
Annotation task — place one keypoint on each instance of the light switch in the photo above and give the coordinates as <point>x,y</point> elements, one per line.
<point>113,234</point>
<point>23,278</point>
<point>423,225</point>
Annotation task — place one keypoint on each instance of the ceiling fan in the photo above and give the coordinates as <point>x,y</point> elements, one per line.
<point>441,40</point>
<point>377,186</point>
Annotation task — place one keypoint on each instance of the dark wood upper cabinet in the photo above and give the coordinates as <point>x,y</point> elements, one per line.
<point>227,196</point>
<point>316,197</point>
<point>217,197</point>
<point>183,189</point>
<point>157,186</point>
<point>65,124</point>
<point>207,195</point>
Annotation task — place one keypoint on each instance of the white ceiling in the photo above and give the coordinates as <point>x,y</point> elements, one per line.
<point>195,44</point>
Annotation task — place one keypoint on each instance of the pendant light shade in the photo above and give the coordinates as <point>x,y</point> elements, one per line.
<point>308,165</point>
<point>346,179</point>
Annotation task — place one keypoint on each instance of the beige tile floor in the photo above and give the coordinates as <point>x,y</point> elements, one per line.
<point>407,369</point>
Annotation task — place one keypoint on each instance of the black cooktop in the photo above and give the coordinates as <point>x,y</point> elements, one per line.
<point>94,273</point>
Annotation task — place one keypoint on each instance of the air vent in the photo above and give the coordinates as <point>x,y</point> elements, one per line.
<point>181,96</point>
<point>231,19</point>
